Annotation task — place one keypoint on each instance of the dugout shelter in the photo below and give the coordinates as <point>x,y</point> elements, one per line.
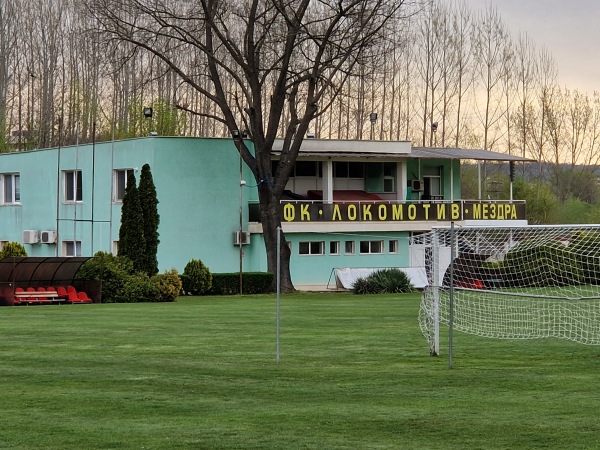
<point>37,274</point>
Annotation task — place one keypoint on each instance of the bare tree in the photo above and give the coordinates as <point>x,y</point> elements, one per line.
<point>492,52</point>
<point>461,24</point>
<point>282,57</point>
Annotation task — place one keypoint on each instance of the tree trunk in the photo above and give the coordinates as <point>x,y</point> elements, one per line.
<point>271,222</point>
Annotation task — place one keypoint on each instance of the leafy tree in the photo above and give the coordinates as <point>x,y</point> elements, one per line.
<point>166,120</point>
<point>149,203</point>
<point>131,233</point>
<point>269,67</point>
<point>12,249</point>
<point>542,204</point>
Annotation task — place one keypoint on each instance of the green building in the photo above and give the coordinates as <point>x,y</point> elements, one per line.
<point>349,204</point>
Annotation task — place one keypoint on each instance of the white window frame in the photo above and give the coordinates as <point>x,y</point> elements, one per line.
<point>115,248</point>
<point>434,174</point>
<point>71,248</point>
<point>120,176</point>
<point>315,248</point>
<point>11,196</point>
<point>393,246</point>
<point>73,193</point>
<point>374,247</point>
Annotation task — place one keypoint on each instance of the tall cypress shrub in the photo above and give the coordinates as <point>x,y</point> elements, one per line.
<point>149,202</point>
<point>131,234</point>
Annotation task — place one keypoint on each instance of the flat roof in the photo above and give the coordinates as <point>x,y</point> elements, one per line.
<point>393,150</point>
<point>461,153</point>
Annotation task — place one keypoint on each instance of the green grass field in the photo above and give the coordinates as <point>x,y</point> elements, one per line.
<point>355,373</point>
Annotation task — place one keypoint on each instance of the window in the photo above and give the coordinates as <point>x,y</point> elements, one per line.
<point>72,186</point>
<point>120,183</point>
<point>11,187</point>
<point>349,247</point>
<point>344,169</point>
<point>389,177</point>
<point>2,244</point>
<point>432,180</point>
<point>334,248</point>
<point>371,247</point>
<point>306,168</point>
<point>115,248</point>
<point>393,246</point>
<point>72,248</point>
<point>311,248</point>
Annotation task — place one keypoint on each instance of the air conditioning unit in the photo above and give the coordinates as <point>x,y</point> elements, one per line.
<point>416,185</point>
<point>48,236</point>
<point>241,237</point>
<point>31,236</point>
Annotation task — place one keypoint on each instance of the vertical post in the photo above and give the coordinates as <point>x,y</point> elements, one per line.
<point>512,178</point>
<point>435,275</point>
<point>241,230</point>
<point>452,256</point>
<point>372,119</point>
<point>278,293</point>
<point>478,180</point>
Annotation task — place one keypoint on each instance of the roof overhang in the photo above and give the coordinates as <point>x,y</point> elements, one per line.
<point>461,153</point>
<point>328,147</point>
<point>391,150</point>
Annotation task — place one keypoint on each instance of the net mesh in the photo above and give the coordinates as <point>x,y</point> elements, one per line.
<point>513,283</point>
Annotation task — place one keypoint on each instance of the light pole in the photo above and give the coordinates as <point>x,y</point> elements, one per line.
<point>372,119</point>
<point>434,127</point>
<point>236,136</point>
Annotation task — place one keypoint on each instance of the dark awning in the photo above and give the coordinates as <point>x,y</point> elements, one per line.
<point>50,270</point>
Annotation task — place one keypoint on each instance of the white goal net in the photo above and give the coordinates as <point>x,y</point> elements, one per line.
<point>512,283</point>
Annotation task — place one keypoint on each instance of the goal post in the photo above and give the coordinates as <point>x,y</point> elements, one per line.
<point>528,282</point>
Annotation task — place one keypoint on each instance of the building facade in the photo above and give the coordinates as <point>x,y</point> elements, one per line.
<point>349,204</point>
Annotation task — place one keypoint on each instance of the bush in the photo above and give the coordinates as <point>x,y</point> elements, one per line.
<point>196,278</point>
<point>113,271</point>
<point>140,288</point>
<point>252,283</point>
<point>540,263</point>
<point>12,249</point>
<point>168,284</point>
<point>121,285</point>
<point>384,281</point>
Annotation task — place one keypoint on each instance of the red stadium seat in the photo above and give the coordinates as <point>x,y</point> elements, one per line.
<point>83,297</point>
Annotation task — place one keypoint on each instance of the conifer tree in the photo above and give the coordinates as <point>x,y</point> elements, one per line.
<point>149,202</point>
<point>131,234</point>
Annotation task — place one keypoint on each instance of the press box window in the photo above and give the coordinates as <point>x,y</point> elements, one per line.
<point>72,186</point>
<point>311,248</point>
<point>345,169</point>
<point>389,179</point>
<point>371,247</point>
<point>120,183</point>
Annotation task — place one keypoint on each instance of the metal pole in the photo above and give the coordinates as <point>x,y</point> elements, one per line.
<point>241,231</point>
<point>452,255</point>
<point>278,292</point>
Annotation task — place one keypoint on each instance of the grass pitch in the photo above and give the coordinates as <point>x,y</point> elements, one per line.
<point>355,373</point>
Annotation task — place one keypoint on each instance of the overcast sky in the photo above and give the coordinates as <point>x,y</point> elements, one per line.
<point>568,29</point>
